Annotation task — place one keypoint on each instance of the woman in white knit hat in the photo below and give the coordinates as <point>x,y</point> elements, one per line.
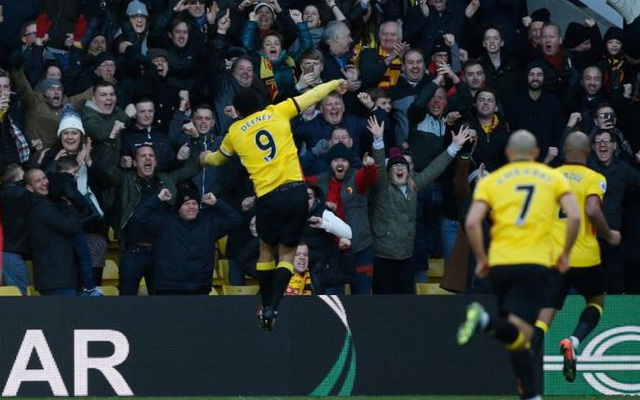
<point>72,144</point>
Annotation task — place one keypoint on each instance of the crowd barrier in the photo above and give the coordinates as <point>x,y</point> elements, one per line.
<point>321,345</point>
<point>212,346</point>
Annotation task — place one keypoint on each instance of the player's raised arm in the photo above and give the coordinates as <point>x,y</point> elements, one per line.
<point>319,92</point>
<point>215,158</point>
<point>596,217</point>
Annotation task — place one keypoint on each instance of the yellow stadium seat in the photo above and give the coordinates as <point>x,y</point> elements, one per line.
<point>10,291</point>
<point>30,271</point>
<point>246,290</point>
<point>221,245</point>
<point>110,273</point>
<point>213,292</point>
<point>222,273</point>
<point>31,291</point>
<point>431,288</point>
<point>142,289</point>
<point>436,268</point>
<point>109,290</point>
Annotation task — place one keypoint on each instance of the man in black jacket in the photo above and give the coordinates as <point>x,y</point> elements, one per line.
<point>14,224</point>
<point>536,111</point>
<point>184,255</point>
<point>621,176</point>
<point>51,227</point>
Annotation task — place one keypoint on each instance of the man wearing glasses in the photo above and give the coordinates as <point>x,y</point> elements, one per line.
<point>620,175</point>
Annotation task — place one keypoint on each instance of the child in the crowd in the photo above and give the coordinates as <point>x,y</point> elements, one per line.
<point>62,185</point>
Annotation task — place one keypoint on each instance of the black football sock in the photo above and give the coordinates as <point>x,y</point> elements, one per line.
<point>588,321</point>
<point>522,361</point>
<point>280,282</point>
<point>537,340</point>
<point>502,330</point>
<point>264,274</point>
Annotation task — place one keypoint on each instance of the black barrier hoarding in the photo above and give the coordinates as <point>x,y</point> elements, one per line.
<point>212,346</point>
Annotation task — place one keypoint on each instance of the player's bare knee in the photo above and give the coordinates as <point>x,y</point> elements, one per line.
<point>596,301</point>
<point>523,327</point>
<point>267,252</point>
<point>546,315</point>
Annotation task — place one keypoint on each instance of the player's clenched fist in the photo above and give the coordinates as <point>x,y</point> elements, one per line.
<point>203,157</point>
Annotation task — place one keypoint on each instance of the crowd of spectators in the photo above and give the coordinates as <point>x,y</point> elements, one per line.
<point>129,93</point>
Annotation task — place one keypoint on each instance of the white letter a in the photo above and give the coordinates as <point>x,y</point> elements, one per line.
<point>34,340</point>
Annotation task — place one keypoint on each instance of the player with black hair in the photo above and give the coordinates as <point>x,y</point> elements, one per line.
<point>263,141</point>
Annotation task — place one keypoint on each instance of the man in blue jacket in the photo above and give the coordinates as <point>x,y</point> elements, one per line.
<point>184,256</point>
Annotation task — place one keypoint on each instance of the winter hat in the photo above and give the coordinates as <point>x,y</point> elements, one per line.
<point>186,192</point>
<point>613,33</point>
<point>137,7</point>
<point>156,52</point>
<point>576,33</point>
<point>439,46</point>
<point>102,57</point>
<point>534,64</point>
<point>45,84</point>
<point>541,15</point>
<point>70,119</point>
<point>339,150</point>
<point>396,157</point>
<point>257,7</point>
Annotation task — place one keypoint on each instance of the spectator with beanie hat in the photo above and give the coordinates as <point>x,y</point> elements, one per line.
<point>394,202</point>
<point>530,38</point>
<point>134,33</point>
<point>68,165</point>
<point>584,43</point>
<point>135,186</point>
<point>43,106</point>
<point>616,71</point>
<point>346,195</point>
<point>147,77</point>
<point>184,256</point>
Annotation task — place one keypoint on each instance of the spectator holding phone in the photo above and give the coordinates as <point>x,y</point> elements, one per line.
<point>605,118</point>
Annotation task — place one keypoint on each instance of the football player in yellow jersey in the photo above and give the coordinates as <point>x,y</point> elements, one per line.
<point>263,141</point>
<point>521,251</point>
<point>586,274</point>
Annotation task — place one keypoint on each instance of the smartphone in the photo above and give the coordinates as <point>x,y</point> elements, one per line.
<point>608,117</point>
<point>307,69</point>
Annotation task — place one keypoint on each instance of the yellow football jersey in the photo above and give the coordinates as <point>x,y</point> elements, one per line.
<point>264,141</point>
<point>522,197</point>
<point>584,182</point>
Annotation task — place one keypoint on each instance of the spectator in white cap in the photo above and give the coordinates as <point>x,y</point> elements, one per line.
<point>136,8</point>
<point>73,145</point>
<point>69,143</point>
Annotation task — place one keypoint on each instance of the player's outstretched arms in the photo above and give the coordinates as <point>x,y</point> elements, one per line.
<point>215,158</point>
<point>319,92</point>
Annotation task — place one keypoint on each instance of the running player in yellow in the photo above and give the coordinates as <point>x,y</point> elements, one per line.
<point>263,141</point>
<point>518,199</point>
<point>586,274</point>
